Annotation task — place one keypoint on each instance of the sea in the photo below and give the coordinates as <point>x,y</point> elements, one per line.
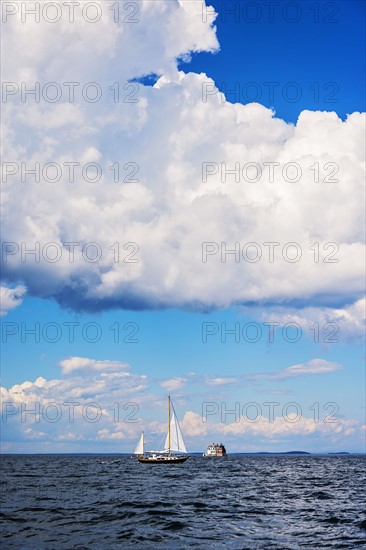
<point>89,502</point>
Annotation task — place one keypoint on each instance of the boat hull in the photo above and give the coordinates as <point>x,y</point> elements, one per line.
<point>214,456</point>
<point>163,459</point>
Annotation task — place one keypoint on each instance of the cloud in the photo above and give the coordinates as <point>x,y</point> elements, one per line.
<point>315,366</point>
<point>84,364</point>
<point>90,399</point>
<point>148,41</point>
<point>289,432</point>
<point>10,298</point>
<point>217,381</point>
<point>168,209</point>
<point>173,384</point>
<point>334,324</point>
<point>104,402</point>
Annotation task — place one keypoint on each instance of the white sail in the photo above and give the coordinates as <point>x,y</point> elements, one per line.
<point>176,438</point>
<point>140,446</point>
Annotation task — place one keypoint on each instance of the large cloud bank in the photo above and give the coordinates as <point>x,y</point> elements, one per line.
<point>99,402</point>
<point>173,145</point>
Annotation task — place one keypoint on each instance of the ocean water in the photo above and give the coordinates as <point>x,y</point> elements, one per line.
<point>241,502</point>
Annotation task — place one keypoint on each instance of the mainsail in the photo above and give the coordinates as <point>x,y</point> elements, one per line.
<point>140,446</point>
<point>176,438</point>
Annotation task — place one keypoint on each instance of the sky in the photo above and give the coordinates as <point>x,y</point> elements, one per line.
<point>191,182</point>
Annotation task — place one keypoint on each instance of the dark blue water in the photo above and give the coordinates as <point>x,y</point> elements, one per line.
<point>244,502</point>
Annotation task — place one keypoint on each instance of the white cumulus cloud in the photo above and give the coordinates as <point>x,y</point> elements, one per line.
<point>91,398</point>
<point>148,228</point>
<point>173,384</point>
<point>284,433</point>
<point>96,401</point>
<point>333,324</point>
<point>84,364</point>
<point>10,298</point>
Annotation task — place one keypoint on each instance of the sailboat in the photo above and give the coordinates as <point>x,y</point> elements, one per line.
<point>140,447</point>
<point>174,443</point>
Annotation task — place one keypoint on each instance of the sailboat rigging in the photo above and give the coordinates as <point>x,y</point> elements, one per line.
<point>174,443</point>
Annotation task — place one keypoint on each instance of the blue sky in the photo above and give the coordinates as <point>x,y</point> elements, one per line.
<point>325,57</point>
<point>321,51</point>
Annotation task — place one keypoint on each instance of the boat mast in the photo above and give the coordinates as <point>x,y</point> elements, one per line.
<point>168,425</point>
<point>143,443</point>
